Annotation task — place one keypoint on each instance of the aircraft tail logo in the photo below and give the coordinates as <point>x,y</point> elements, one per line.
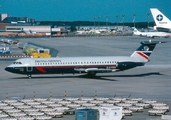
<point>144,51</point>
<point>159,18</point>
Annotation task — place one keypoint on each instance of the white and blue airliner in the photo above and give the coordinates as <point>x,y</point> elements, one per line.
<point>89,65</point>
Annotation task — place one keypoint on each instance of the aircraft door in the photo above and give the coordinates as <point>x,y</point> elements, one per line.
<point>29,69</point>
<point>29,66</point>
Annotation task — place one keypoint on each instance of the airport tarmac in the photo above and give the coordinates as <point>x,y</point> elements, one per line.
<point>152,81</point>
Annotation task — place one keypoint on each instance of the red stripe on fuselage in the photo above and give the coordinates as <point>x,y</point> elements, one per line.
<point>41,69</point>
<point>143,55</point>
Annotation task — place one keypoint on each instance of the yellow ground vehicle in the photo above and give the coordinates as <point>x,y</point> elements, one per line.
<point>41,53</point>
<point>36,52</point>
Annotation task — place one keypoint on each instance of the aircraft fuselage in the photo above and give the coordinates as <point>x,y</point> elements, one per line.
<point>72,65</point>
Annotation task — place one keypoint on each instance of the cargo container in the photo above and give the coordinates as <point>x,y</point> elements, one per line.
<point>86,114</point>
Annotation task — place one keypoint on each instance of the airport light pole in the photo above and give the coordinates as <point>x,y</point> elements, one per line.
<point>134,19</point>
<point>99,21</point>
<point>94,23</point>
<point>117,20</point>
<point>123,20</point>
<point>0,17</point>
<point>148,14</point>
<point>106,22</point>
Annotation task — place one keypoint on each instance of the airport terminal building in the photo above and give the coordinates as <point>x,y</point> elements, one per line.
<point>29,29</point>
<point>33,30</point>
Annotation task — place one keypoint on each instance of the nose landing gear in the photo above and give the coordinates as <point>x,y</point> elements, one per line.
<point>29,76</point>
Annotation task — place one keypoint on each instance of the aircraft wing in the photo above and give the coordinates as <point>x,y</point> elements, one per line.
<point>97,70</point>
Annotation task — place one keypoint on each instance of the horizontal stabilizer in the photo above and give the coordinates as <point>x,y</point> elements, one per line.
<point>150,42</point>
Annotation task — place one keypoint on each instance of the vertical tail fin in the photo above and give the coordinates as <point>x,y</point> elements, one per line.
<point>136,32</point>
<point>159,18</point>
<point>144,51</point>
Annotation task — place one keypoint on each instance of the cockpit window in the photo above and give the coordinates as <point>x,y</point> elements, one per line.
<point>17,63</point>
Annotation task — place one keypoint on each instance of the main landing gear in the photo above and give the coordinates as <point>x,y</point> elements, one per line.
<point>92,74</point>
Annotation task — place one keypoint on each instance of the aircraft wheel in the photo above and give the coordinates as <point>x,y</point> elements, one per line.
<point>92,75</point>
<point>29,76</point>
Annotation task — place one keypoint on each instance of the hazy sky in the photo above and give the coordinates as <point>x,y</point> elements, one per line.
<point>73,10</point>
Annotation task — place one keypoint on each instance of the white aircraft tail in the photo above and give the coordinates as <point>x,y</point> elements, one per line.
<point>135,30</point>
<point>144,51</point>
<point>159,18</point>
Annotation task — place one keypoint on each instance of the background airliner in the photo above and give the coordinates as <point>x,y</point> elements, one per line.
<point>151,34</point>
<point>162,22</point>
<point>90,65</point>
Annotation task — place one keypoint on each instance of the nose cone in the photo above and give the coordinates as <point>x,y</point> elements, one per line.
<point>15,70</point>
<point>9,69</point>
